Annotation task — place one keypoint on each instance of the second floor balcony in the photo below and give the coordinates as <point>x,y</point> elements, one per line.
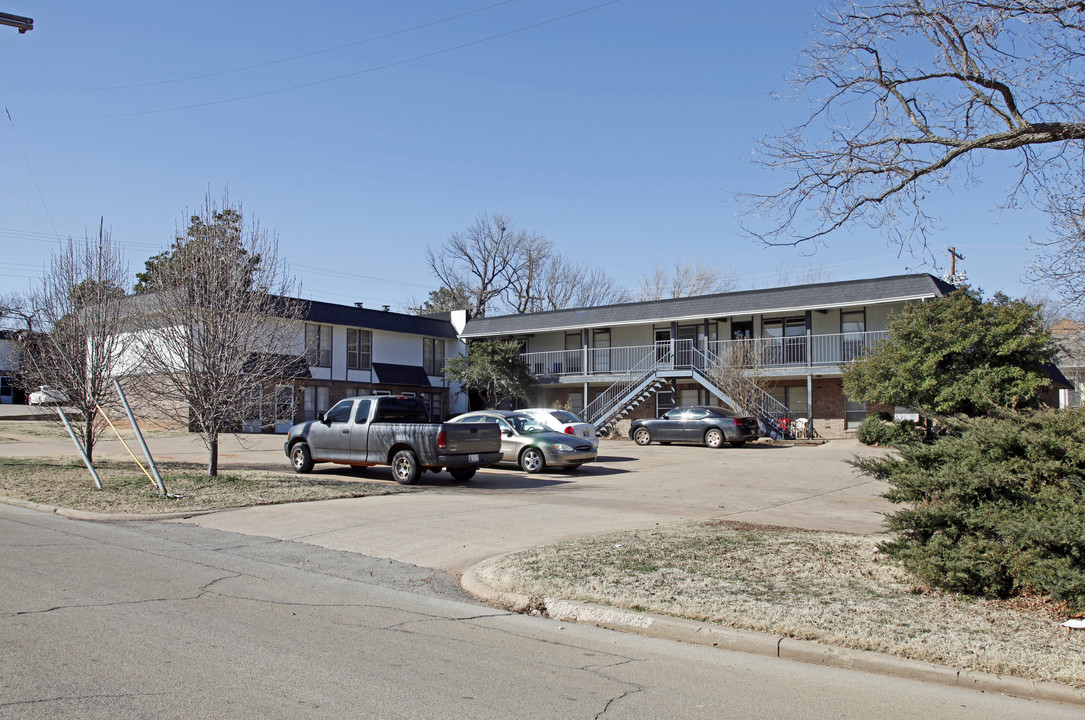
<point>767,355</point>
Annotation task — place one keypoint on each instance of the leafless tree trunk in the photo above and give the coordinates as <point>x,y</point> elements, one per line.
<point>685,279</point>
<point>908,98</point>
<point>216,321</point>
<point>80,302</point>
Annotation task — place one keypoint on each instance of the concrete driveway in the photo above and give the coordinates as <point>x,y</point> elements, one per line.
<point>452,526</point>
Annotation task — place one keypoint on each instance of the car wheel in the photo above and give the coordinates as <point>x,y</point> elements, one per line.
<point>532,460</point>
<point>641,436</point>
<point>301,458</point>
<point>462,474</point>
<point>405,468</point>
<point>713,438</point>
<point>738,443</point>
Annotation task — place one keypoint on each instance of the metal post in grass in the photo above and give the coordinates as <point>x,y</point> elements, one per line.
<point>142,443</point>
<point>79,446</point>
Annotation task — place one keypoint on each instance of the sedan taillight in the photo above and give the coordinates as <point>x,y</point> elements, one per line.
<point>569,430</point>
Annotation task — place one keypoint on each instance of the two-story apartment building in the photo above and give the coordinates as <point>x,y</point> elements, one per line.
<point>351,350</point>
<point>334,351</point>
<point>640,359</point>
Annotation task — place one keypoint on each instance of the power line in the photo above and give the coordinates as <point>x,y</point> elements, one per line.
<point>335,78</point>
<point>274,62</point>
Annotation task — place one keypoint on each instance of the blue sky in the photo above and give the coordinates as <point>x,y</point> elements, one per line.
<point>614,131</point>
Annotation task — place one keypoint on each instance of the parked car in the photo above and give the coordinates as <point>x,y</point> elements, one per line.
<point>47,395</point>
<point>566,422</point>
<point>712,426</point>
<point>392,430</point>
<point>530,444</point>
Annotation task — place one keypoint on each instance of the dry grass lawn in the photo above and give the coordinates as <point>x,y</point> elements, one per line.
<point>66,483</point>
<point>828,587</point>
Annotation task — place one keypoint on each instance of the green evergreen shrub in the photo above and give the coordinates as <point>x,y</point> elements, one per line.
<point>995,506</point>
<point>881,429</point>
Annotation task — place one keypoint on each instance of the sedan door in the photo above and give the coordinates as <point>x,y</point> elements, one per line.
<point>694,422</point>
<point>669,427</point>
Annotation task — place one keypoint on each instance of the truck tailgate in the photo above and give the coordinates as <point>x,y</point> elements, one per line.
<point>472,437</point>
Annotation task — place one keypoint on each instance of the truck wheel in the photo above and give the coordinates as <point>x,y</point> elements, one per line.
<point>713,438</point>
<point>462,474</point>
<point>532,460</point>
<point>301,458</point>
<point>405,468</point>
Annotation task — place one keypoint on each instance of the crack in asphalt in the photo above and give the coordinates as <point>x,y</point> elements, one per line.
<point>79,698</point>
<point>204,590</point>
<point>804,498</point>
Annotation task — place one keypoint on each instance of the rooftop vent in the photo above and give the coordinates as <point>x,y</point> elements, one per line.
<point>386,307</point>
<point>357,304</point>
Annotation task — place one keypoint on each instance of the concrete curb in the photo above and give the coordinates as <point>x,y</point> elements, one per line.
<point>99,517</point>
<point>756,643</point>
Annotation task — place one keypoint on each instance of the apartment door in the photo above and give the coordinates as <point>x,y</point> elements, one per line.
<point>663,347</point>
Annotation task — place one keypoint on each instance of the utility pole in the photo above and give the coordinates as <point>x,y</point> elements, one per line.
<point>20,23</point>
<point>953,277</point>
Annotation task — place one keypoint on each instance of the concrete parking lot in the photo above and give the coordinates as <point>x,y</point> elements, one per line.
<point>451,526</point>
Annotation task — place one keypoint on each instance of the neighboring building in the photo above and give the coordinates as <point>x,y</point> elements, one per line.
<point>641,359</point>
<point>9,366</point>
<point>338,351</point>
<point>1069,337</point>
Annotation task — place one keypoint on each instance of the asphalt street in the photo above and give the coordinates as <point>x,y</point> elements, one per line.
<point>167,620</point>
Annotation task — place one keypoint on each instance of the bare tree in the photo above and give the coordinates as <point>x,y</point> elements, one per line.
<point>18,309</point>
<point>910,96</point>
<point>478,260</point>
<point>495,267</point>
<point>685,279</point>
<point>788,274</point>
<point>739,370</point>
<point>567,284</point>
<point>80,306</point>
<point>216,314</point>
<point>1060,261</point>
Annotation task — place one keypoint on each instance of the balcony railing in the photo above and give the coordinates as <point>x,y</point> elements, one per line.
<point>757,353</point>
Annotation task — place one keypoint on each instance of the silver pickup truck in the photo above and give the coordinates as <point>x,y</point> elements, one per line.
<point>393,430</point>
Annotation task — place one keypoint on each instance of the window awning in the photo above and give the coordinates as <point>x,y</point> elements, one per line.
<point>391,374</point>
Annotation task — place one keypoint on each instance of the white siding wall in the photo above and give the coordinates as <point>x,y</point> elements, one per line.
<point>397,348</point>
<point>826,324</point>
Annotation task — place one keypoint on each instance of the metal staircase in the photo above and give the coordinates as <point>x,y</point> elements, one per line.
<point>645,379</point>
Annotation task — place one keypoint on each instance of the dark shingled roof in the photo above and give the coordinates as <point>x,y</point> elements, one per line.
<point>848,293</point>
<point>332,314</point>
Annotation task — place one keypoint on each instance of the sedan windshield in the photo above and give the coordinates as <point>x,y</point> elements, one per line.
<point>526,425</point>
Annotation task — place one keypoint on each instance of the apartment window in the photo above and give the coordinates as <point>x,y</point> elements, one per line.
<point>852,339</point>
<point>600,340</point>
<point>433,356</point>
<point>854,413</point>
<point>318,344</point>
<point>790,340</point>
<point>435,405</point>
<point>359,349</point>
<point>315,399</point>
